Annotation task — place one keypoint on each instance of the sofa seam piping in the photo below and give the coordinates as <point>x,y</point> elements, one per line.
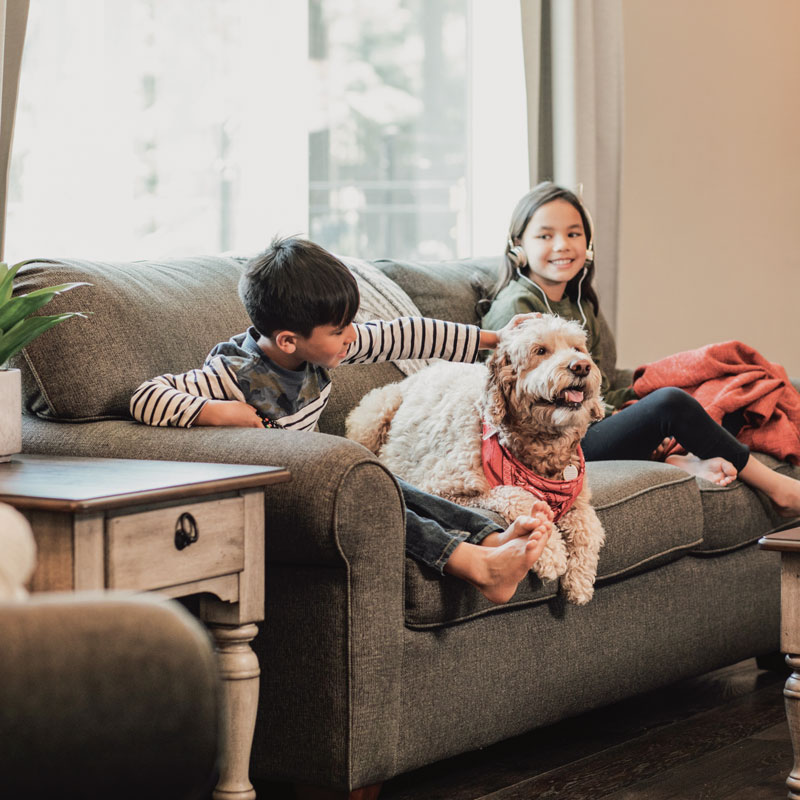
<point>646,490</point>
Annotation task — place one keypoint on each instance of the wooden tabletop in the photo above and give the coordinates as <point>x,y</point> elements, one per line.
<point>71,483</point>
<point>785,541</point>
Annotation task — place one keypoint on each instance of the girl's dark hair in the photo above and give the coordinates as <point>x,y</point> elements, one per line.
<point>296,285</point>
<point>541,194</point>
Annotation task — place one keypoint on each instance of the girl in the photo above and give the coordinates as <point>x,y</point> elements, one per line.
<point>549,267</point>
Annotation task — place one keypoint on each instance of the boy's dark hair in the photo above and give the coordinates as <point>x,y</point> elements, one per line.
<point>296,285</point>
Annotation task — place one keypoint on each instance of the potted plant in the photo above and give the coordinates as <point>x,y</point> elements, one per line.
<point>18,327</point>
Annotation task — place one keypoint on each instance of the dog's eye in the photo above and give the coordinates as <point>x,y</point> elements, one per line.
<point>541,351</point>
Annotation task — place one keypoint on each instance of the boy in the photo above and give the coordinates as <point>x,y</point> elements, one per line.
<point>302,301</point>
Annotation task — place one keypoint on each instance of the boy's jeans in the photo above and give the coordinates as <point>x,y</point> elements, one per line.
<point>434,526</point>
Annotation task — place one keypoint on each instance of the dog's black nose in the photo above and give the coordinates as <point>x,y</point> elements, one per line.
<point>580,367</point>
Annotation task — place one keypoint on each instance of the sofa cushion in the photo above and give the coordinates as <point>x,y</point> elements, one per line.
<point>652,514</point>
<point>443,289</point>
<point>652,511</point>
<point>736,515</point>
<point>147,318</point>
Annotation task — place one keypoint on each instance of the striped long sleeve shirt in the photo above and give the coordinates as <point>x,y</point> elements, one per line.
<point>293,399</point>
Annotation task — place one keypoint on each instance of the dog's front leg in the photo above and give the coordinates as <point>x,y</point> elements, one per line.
<point>584,536</point>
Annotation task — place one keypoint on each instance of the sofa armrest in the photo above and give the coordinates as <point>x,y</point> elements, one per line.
<point>106,695</point>
<point>331,646</point>
<point>300,513</point>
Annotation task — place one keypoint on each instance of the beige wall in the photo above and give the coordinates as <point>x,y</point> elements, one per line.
<point>710,246</point>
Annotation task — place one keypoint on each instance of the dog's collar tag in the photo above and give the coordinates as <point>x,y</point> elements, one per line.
<point>570,472</point>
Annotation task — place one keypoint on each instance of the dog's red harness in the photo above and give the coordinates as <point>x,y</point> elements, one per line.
<point>502,469</point>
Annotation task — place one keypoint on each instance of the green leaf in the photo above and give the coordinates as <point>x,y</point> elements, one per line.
<point>12,341</point>
<point>24,305</point>
<point>7,281</point>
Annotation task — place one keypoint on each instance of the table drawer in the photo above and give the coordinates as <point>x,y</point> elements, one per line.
<point>142,552</point>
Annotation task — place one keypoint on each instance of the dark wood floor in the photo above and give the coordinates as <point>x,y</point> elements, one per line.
<point>723,735</point>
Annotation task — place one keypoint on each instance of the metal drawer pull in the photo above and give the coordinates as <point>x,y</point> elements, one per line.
<point>185,531</point>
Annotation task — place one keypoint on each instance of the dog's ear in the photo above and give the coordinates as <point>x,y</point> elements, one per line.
<point>500,386</point>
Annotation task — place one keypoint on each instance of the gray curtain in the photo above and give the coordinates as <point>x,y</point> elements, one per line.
<point>573,71</point>
<point>13,20</point>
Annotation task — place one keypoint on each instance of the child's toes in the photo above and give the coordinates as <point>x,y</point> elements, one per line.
<point>541,508</point>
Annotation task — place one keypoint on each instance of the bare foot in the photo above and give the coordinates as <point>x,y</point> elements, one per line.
<point>497,571</point>
<point>540,511</point>
<point>507,565</point>
<point>717,470</point>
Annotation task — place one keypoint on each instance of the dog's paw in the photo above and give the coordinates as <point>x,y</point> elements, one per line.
<point>579,596</point>
<point>552,563</point>
<point>578,586</point>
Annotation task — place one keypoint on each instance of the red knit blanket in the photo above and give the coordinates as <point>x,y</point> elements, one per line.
<point>728,377</point>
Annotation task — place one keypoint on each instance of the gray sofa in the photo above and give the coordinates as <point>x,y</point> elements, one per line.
<point>372,665</point>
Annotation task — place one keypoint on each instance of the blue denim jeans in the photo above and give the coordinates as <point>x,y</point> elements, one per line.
<point>435,527</point>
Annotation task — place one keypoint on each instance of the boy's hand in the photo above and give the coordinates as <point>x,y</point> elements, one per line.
<point>232,413</point>
<point>490,339</point>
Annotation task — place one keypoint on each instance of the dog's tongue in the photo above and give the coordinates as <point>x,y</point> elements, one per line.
<point>574,395</point>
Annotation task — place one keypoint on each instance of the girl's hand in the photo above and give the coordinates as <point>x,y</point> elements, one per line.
<point>664,449</point>
<point>231,413</point>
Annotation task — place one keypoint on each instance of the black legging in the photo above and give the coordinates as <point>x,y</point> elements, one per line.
<point>637,430</point>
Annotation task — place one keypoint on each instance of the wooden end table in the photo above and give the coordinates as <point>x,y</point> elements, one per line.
<point>179,528</point>
<point>788,544</point>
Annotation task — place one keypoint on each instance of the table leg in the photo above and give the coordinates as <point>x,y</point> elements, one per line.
<point>239,670</point>
<point>791,692</point>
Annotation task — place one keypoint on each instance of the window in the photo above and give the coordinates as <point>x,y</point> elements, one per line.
<point>376,127</point>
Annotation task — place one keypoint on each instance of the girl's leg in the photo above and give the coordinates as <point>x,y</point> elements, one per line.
<point>636,431</point>
<point>783,491</point>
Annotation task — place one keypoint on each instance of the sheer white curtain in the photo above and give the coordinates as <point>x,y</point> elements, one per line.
<point>147,128</point>
<point>378,127</point>
<point>13,19</point>
<point>574,71</point>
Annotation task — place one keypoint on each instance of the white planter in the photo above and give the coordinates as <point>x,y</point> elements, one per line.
<point>10,413</point>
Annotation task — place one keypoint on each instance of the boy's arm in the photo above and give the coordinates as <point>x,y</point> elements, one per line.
<point>413,337</point>
<point>198,397</point>
<point>420,337</point>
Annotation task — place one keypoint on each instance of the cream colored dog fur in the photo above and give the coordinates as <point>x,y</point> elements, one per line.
<point>427,429</point>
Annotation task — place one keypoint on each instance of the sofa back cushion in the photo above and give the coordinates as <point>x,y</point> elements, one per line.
<point>153,317</point>
<point>147,318</point>
<point>444,289</point>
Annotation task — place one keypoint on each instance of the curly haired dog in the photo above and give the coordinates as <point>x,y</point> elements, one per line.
<point>477,434</point>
